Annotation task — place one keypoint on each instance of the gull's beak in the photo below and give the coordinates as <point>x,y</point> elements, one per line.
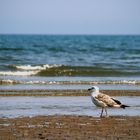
<point>89,89</point>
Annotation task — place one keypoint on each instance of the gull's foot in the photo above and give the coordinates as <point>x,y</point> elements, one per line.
<point>104,116</point>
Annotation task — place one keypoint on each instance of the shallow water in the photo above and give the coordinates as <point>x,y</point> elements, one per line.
<point>68,87</point>
<point>32,106</point>
<point>65,82</point>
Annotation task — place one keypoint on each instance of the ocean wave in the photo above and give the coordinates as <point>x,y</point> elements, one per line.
<point>26,70</point>
<point>65,70</point>
<point>131,82</point>
<point>37,67</point>
<point>18,73</point>
<point>10,49</point>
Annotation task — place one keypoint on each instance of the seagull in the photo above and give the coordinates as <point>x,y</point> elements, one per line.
<point>104,101</point>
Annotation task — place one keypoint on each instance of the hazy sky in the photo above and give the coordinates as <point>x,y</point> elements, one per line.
<point>70,16</point>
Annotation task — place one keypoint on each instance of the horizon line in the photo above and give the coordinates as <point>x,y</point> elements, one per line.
<point>69,34</point>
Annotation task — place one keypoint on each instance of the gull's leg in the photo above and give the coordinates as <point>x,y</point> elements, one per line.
<point>106,111</point>
<point>102,112</point>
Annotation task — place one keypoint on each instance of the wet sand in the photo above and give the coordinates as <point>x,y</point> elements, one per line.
<point>66,92</point>
<point>70,128</point>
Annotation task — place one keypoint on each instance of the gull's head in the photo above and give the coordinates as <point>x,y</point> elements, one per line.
<point>94,89</point>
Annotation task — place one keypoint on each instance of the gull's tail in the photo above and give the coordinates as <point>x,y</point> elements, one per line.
<point>124,106</point>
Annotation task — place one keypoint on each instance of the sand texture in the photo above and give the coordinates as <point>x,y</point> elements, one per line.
<point>66,92</point>
<point>70,128</point>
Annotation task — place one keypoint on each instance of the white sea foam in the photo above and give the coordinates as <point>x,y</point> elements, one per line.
<point>9,81</point>
<point>30,67</point>
<point>26,70</point>
<point>18,73</point>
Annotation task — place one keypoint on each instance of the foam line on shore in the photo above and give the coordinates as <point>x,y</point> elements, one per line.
<point>132,82</point>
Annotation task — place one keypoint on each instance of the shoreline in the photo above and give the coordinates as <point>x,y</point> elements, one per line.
<point>66,92</point>
<point>70,127</point>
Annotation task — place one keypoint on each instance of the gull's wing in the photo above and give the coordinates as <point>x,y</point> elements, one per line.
<point>117,101</point>
<point>111,102</point>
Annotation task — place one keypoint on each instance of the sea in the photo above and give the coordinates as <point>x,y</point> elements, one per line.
<point>67,62</point>
<point>21,106</point>
<point>38,62</point>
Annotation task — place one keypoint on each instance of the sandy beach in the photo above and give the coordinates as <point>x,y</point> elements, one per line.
<point>70,128</point>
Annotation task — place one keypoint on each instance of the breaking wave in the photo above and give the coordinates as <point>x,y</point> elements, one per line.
<point>64,70</point>
<point>33,68</point>
<point>26,70</point>
<point>17,73</point>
